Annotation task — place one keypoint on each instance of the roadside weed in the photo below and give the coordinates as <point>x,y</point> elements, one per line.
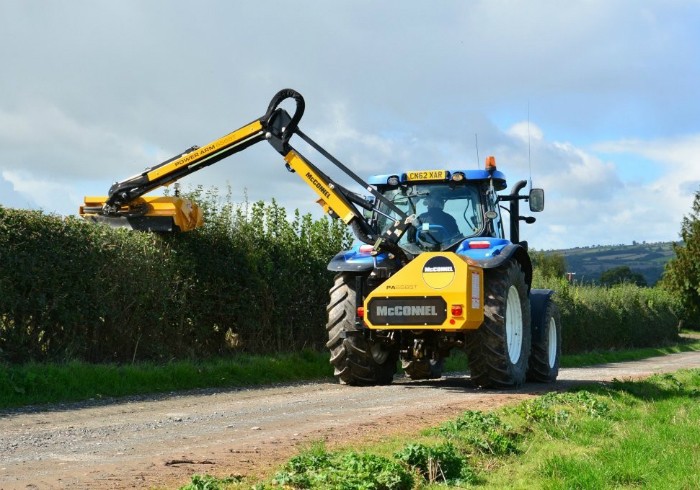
<point>481,432</point>
<point>438,463</point>
<point>620,435</point>
<point>318,469</point>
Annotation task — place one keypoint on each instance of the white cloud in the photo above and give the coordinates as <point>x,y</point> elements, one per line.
<point>388,88</point>
<point>591,201</point>
<point>42,140</point>
<point>43,194</point>
<point>526,132</point>
<point>10,198</point>
<point>678,154</point>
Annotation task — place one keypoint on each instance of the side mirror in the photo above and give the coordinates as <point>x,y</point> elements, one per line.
<point>536,200</point>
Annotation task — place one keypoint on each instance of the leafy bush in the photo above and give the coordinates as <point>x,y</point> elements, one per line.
<point>253,279</point>
<point>621,275</point>
<point>548,264</point>
<point>73,290</point>
<point>619,317</point>
<point>249,280</point>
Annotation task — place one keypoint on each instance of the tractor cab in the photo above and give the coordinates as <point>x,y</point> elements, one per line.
<point>449,207</point>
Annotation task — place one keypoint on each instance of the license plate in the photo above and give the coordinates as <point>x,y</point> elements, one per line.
<point>426,175</point>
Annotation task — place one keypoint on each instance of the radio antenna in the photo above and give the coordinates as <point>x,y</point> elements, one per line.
<point>476,143</point>
<point>529,159</point>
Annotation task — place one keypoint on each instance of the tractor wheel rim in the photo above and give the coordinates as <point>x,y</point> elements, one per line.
<point>514,325</point>
<point>552,343</point>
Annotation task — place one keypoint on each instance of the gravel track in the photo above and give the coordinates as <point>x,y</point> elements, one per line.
<point>161,441</point>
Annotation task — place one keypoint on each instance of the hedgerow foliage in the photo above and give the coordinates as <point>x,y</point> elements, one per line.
<point>250,280</point>
<point>619,317</point>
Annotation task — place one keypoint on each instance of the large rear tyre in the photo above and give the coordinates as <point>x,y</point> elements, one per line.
<point>498,351</point>
<point>544,358</point>
<point>356,360</point>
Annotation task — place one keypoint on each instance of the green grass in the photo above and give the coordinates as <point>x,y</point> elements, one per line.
<point>647,437</point>
<point>605,357</point>
<point>458,360</point>
<point>33,384</point>
<point>53,383</point>
<point>626,434</point>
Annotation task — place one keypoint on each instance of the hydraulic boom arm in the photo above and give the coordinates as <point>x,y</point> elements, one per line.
<point>126,204</point>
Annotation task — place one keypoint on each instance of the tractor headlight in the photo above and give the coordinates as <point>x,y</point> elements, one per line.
<point>458,176</point>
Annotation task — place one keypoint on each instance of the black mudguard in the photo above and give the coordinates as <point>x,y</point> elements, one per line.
<point>511,252</point>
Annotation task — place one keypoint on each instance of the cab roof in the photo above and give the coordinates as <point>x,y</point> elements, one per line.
<point>438,175</point>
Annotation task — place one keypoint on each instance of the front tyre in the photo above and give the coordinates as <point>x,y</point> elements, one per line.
<point>356,360</point>
<point>546,351</point>
<point>498,351</point>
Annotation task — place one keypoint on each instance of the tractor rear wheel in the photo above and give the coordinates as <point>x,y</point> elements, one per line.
<point>544,358</point>
<point>356,360</point>
<point>498,351</point>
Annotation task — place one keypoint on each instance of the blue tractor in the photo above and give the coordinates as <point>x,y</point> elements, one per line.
<point>455,282</point>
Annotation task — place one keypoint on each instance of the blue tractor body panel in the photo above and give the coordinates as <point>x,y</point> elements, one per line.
<point>355,260</point>
<point>499,179</point>
<point>491,253</point>
<point>482,248</point>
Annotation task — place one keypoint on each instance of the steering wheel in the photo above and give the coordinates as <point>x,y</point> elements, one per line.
<point>431,236</point>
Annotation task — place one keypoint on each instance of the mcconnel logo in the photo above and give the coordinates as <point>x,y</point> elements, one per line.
<point>317,184</point>
<point>438,272</point>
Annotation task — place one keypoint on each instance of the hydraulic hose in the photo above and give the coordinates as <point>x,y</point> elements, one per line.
<point>277,99</point>
<point>359,232</point>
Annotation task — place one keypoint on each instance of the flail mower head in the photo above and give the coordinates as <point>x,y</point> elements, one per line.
<point>160,214</point>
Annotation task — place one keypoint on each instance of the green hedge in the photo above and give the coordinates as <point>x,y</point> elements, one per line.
<point>250,280</point>
<point>618,317</point>
<point>253,280</point>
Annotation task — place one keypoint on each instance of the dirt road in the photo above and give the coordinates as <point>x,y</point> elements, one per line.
<point>161,441</point>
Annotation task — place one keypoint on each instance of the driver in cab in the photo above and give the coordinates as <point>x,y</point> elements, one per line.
<point>436,216</point>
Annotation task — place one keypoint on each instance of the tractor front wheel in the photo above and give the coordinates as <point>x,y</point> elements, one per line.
<point>546,351</point>
<point>356,359</point>
<point>498,351</point>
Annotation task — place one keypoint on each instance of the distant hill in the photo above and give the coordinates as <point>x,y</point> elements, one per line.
<point>646,258</point>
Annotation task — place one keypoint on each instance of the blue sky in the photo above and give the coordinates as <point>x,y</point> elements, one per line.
<point>93,91</point>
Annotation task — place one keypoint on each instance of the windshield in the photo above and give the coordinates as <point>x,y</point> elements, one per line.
<point>444,215</point>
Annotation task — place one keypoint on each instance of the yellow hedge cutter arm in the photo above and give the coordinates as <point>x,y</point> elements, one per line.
<point>126,204</point>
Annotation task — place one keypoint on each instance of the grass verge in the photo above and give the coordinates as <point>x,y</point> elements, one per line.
<point>34,384</point>
<point>621,435</point>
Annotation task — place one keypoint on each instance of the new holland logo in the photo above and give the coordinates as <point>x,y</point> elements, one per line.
<point>438,272</point>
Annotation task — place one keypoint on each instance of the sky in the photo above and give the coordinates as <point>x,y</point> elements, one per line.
<point>596,101</point>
